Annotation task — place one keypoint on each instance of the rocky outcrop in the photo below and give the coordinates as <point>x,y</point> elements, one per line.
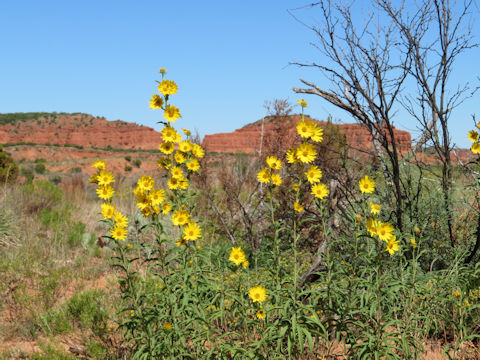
<point>247,139</point>
<point>81,130</point>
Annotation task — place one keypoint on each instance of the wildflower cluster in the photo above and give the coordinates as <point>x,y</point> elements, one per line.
<point>473,136</point>
<point>118,222</point>
<point>148,198</point>
<point>180,159</point>
<point>384,231</point>
<point>305,153</point>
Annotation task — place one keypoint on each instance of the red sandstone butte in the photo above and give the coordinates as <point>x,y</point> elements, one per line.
<point>247,139</point>
<point>81,130</point>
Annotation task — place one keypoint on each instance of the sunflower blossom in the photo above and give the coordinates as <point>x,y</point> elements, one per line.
<point>291,156</point>
<point>108,211</point>
<point>166,208</point>
<point>264,176</point>
<point>367,185</point>
<point>180,217</point>
<point>305,128</point>
<point>297,207</point>
<point>375,208</point>
<point>198,151</point>
<point>167,87</point>
<point>476,148</point>
<point>372,226</point>
<point>258,293</point>
<point>166,147</point>
<point>169,134</point>
<point>261,314</point>
<point>193,165</point>
<point>156,102</point>
<point>317,134</point>
<point>473,136</point>
<point>145,183</point>
<point>156,196</point>
<point>185,146</point>
<point>237,256</point>
<point>392,246</point>
<point>99,165</point>
<point>192,231</point>
<point>273,162</point>
<point>172,113</point>
<point>105,192</point>
<point>105,177</point>
<point>320,191</point>
<point>314,174</point>
<point>118,233</point>
<point>120,220</point>
<point>306,153</point>
<point>385,231</point>
<point>276,179</point>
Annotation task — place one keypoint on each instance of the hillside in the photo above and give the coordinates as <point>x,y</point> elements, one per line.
<point>76,129</point>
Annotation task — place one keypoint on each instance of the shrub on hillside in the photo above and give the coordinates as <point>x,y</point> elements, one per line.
<point>8,168</point>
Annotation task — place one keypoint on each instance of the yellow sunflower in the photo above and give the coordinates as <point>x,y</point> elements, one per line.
<point>314,174</point>
<point>145,183</point>
<point>264,176</point>
<point>118,233</point>
<point>261,314</point>
<point>476,148</point>
<point>180,157</point>
<point>258,293</point>
<point>392,246</point>
<point>193,165</point>
<point>99,165</point>
<point>306,153</point>
<point>176,172</point>
<point>273,162</point>
<point>473,136</point>
<point>192,231</point>
<point>276,179</point>
<point>167,87</point>
<point>385,231</point>
<point>108,211</point>
<point>169,134</point>
<point>297,207</point>
<point>105,192</point>
<point>237,256</point>
<point>172,113</point>
<point>166,208</point>
<point>105,177</point>
<point>305,128</point>
<point>156,196</point>
<point>166,147</point>
<point>291,156</point>
<point>375,208</point>
<point>198,151</point>
<point>317,134</point>
<point>180,217</point>
<point>367,185</point>
<point>185,146</point>
<point>120,220</point>
<point>320,191</point>
<point>156,102</point>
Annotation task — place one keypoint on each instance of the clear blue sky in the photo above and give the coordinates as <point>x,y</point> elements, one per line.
<point>101,57</point>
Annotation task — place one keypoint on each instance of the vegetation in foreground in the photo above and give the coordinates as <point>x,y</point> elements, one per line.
<point>189,291</point>
<point>298,273</point>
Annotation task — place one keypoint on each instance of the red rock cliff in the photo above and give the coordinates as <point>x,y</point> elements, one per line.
<point>82,130</point>
<point>247,139</point>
